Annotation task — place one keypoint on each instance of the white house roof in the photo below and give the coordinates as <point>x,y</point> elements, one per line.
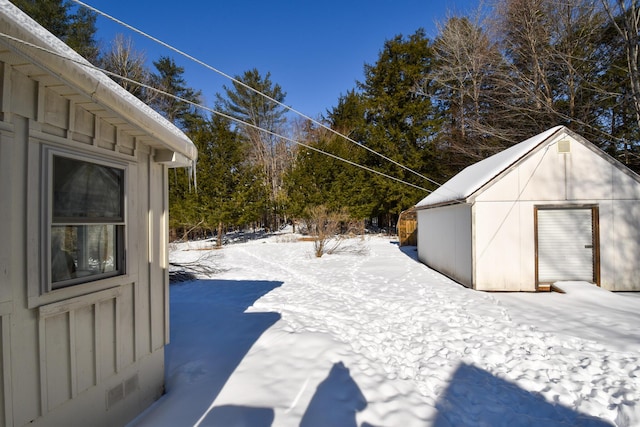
<point>473,177</point>
<point>77,73</point>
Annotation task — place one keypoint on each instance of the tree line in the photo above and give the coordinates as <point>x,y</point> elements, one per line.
<point>485,82</point>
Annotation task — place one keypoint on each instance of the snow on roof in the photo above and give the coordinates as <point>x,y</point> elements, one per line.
<point>79,74</point>
<point>470,179</point>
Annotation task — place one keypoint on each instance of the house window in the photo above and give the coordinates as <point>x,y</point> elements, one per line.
<point>86,230</point>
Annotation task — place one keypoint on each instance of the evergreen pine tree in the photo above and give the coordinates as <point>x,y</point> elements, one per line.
<point>76,27</point>
<point>401,123</point>
<point>230,189</point>
<point>170,80</point>
<point>271,153</point>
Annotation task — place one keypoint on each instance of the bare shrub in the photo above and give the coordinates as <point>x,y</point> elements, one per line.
<point>328,228</point>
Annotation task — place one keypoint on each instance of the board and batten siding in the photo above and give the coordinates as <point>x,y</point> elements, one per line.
<point>5,375</point>
<point>85,351</point>
<point>11,199</point>
<point>444,240</point>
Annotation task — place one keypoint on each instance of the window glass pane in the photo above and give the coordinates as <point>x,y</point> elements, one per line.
<point>81,251</point>
<point>86,190</point>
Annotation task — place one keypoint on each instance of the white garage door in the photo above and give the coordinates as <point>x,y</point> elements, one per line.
<point>565,245</point>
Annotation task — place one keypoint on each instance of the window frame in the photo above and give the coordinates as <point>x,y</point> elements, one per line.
<point>48,221</point>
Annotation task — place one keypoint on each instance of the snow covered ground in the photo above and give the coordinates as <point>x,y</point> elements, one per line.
<point>370,337</point>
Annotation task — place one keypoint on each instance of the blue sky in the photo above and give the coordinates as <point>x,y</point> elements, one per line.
<point>315,50</point>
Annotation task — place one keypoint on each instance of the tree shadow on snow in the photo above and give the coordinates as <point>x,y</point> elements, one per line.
<point>210,335</point>
<point>474,397</point>
<point>336,401</point>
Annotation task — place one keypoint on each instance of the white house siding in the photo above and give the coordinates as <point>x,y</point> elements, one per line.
<point>90,354</point>
<point>444,240</point>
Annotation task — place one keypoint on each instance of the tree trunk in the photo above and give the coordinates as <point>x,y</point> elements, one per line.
<point>220,230</point>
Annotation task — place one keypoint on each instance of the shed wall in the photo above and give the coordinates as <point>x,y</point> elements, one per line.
<point>444,241</point>
<point>89,354</point>
<point>504,243</point>
<point>620,245</point>
<point>504,254</point>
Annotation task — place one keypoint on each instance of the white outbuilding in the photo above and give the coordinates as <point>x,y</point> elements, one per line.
<point>552,208</point>
<point>84,213</point>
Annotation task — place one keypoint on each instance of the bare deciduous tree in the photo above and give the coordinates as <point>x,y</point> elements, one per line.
<point>549,52</point>
<point>625,18</point>
<point>466,77</point>
<point>123,60</point>
<point>527,45</point>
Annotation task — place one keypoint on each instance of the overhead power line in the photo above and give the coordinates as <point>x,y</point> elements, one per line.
<point>211,110</point>
<point>236,81</point>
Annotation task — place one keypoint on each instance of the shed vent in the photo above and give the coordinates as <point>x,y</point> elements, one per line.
<point>564,146</point>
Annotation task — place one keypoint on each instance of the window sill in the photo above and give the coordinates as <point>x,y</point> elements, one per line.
<point>75,291</point>
<point>77,302</point>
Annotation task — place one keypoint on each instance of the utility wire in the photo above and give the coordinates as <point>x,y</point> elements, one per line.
<point>211,110</point>
<point>236,81</point>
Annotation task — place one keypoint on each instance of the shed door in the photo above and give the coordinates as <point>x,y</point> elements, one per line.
<point>565,244</point>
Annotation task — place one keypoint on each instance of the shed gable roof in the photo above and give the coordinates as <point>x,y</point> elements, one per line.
<point>474,177</point>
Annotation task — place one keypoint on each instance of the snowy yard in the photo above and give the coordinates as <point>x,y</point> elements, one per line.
<point>370,337</point>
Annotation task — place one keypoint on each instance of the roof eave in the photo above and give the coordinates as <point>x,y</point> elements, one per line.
<point>462,201</point>
<point>77,73</point>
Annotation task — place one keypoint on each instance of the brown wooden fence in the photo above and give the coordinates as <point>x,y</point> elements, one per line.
<point>408,228</point>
